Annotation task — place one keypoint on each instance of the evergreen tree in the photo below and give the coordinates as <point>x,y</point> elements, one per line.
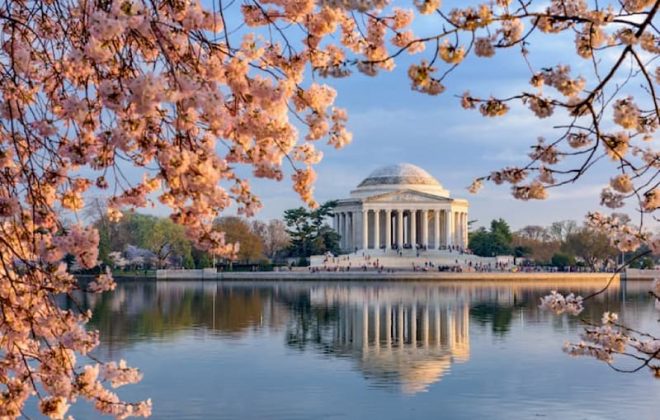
<point>497,241</point>
<point>309,233</point>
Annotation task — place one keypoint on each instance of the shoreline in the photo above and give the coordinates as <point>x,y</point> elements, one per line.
<point>392,276</point>
<point>407,275</point>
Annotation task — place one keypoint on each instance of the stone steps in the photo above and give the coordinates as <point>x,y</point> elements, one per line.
<point>394,260</point>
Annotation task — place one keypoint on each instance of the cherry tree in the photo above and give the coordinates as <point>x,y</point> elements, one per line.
<point>94,91</point>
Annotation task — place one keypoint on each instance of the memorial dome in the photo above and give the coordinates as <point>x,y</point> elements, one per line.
<point>402,176</point>
<point>402,173</point>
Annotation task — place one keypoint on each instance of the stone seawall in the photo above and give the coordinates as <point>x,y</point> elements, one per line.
<point>637,274</point>
<point>411,275</point>
<point>204,273</point>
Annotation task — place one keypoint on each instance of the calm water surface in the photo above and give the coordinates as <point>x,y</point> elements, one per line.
<point>366,350</point>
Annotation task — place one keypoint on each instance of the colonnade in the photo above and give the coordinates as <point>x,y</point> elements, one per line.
<point>434,228</point>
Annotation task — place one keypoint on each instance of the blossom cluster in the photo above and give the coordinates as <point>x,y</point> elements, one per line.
<point>559,304</point>
<point>624,236</point>
<point>611,338</point>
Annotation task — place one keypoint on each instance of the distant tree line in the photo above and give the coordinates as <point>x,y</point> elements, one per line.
<point>140,241</point>
<point>563,243</point>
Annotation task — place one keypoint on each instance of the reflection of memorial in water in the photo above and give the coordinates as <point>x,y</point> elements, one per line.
<point>397,337</point>
<point>399,334</point>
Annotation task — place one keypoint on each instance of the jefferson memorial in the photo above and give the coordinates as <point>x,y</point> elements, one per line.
<point>401,207</point>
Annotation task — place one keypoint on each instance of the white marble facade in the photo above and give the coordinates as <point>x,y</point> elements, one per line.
<point>401,207</point>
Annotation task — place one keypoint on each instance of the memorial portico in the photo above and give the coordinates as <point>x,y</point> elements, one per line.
<point>401,207</point>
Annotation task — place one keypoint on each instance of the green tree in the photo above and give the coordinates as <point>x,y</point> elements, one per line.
<point>309,233</point>
<point>479,242</point>
<point>166,239</point>
<point>501,237</point>
<point>522,251</point>
<point>132,229</point>
<point>497,241</point>
<point>327,241</point>
<point>644,263</point>
<point>201,258</point>
<point>561,259</point>
<point>159,235</point>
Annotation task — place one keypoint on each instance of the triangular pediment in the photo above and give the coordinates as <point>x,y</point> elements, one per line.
<point>407,196</point>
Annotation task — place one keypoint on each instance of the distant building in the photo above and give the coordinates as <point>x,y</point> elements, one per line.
<point>401,207</point>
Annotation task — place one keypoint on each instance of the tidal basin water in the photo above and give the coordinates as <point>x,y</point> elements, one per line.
<point>242,350</point>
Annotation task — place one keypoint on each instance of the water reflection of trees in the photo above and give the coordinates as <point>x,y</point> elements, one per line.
<point>143,311</point>
<point>494,314</point>
<point>406,334</point>
<point>496,308</point>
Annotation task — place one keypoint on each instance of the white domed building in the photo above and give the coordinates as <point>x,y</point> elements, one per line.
<point>401,207</point>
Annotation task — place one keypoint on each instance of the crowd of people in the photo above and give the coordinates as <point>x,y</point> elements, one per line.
<point>420,248</point>
<point>367,262</point>
<point>371,263</point>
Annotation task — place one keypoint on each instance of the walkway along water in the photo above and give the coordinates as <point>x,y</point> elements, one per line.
<point>376,276</point>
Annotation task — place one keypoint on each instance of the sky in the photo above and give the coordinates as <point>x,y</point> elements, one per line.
<point>392,124</point>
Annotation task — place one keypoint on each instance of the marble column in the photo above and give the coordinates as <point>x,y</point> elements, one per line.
<point>349,231</point>
<point>425,228</point>
<point>457,228</point>
<point>462,238</point>
<point>462,229</point>
<point>465,230</point>
<point>376,229</point>
<point>448,224</point>
<point>399,228</point>
<point>436,229</point>
<point>453,227</point>
<point>413,228</point>
<point>342,230</point>
<point>365,229</point>
<point>354,230</point>
<point>388,229</point>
